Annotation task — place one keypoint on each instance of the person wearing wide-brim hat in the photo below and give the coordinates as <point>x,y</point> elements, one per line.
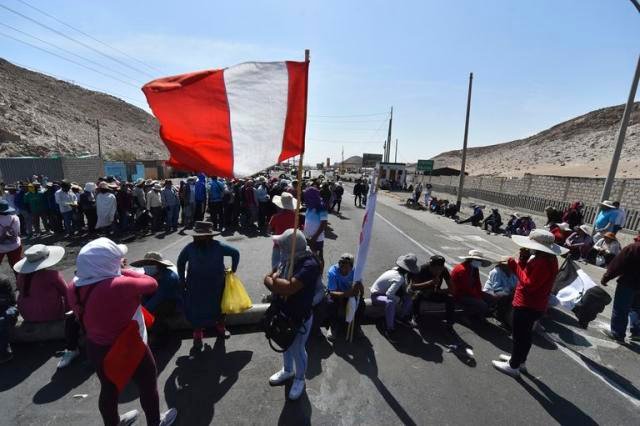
<point>579,242</point>
<point>390,292</point>
<point>10,242</point>
<point>106,208</point>
<point>606,218</point>
<point>281,221</point>
<point>466,287</point>
<point>536,269</point>
<point>605,249</point>
<point>201,269</point>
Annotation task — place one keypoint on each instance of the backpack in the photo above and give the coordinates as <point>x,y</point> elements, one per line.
<point>590,305</point>
<point>7,235</point>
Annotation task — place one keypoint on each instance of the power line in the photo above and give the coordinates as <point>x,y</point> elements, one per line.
<point>342,141</point>
<point>345,121</point>
<point>69,52</point>
<point>69,60</point>
<point>349,115</point>
<point>90,37</point>
<point>60,33</point>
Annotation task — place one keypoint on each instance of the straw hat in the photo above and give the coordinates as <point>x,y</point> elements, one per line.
<point>103,185</point>
<point>157,187</point>
<point>203,229</point>
<point>39,257</point>
<point>408,262</point>
<point>285,201</point>
<point>477,255</point>
<point>608,204</point>
<point>152,258</point>
<point>610,235</point>
<point>585,229</point>
<point>540,240</point>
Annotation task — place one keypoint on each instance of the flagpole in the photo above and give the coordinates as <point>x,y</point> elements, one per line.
<point>296,222</point>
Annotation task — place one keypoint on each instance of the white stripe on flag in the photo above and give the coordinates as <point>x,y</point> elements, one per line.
<point>365,233</point>
<point>257,94</point>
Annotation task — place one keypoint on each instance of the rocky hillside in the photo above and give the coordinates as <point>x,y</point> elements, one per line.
<point>35,107</point>
<point>582,146</point>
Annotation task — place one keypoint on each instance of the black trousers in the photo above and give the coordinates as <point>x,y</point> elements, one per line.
<point>216,212</point>
<point>433,297</point>
<point>71,331</point>
<point>523,320</point>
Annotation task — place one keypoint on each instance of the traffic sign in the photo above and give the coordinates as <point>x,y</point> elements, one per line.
<point>424,166</point>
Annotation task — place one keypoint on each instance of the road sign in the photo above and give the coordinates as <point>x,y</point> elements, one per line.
<point>370,160</point>
<point>424,166</point>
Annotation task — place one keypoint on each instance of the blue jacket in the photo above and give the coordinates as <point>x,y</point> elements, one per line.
<point>201,188</point>
<point>216,190</point>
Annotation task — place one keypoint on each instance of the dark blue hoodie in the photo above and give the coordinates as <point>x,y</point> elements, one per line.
<point>201,188</point>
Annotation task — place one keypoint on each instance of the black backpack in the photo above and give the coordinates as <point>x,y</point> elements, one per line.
<point>590,305</point>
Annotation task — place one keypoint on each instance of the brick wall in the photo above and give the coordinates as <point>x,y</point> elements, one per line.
<point>82,170</point>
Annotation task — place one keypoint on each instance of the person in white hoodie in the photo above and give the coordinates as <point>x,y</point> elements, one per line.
<point>106,206</point>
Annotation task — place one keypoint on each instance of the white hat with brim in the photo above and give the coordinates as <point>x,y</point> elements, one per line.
<point>585,229</point>
<point>564,226</point>
<point>540,240</point>
<point>477,255</point>
<point>285,201</point>
<point>408,262</point>
<point>152,258</point>
<point>39,257</point>
<point>608,203</point>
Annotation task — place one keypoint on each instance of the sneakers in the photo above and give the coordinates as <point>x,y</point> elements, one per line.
<point>296,389</point>
<point>221,331</point>
<point>67,357</point>
<point>504,367</point>
<point>507,358</point>
<point>610,334</point>
<point>281,377</point>
<point>128,418</point>
<point>331,336</point>
<point>168,417</point>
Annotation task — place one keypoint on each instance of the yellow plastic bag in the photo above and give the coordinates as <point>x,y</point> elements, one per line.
<point>234,298</point>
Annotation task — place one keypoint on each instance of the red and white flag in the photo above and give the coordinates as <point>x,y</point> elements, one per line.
<point>232,122</point>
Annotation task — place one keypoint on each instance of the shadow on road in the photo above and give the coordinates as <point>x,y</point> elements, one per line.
<point>64,381</point>
<point>27,358</point>
<point>200,381</point>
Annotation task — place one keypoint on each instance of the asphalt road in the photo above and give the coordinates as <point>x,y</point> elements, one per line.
<point>576,377</point>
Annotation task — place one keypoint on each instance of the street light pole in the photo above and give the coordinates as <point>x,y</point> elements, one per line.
<point>464,145</point>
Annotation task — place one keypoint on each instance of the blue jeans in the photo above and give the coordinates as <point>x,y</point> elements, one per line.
<point>297,352</point>
<point>8,319</point>
<point>171,216</point>
<point>67,217</point>
<point>620,314</point>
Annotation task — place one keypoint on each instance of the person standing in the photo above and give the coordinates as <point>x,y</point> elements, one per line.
<point>154,205</point>
<point>200,197</point>
<point>294,297</point>
<point>105,298</point>
<point>338,192</point>
<point>106,206</point>
<point>87,203</point>
<point>36,201</point>
<point>536,269</point>
<point>66,199</point>
<point>171,204</point>
<point>264,202</point>
<point>139,198</point>
<point>357,194</point>
<point>626,268</point>
<point>281,221</point>
<point>315,222</point>
<point>217,189</point>
<point>10,242</point>
<point>201,270</point>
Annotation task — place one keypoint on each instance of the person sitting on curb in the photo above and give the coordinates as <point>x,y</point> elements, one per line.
<point>604,250</point>
<point>501,284</point>
<point>536,269</point>
<point>167,299</point>
<point>475,218</point>
<point>560,231</point>
<point>8,317</point>
<point>43,294</point>
<point>580,242</point>
<point>466,288</point>
<point>202,273</point>
<point>390,290</point>
<point>340,288</point>
<point>426,285</point>
<point>493,222</point>
<point>525,226</point>
<point>626,268</point>
<point>513,224</point>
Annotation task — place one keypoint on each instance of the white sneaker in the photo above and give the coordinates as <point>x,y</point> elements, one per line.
<point>296,389</point>
<point>67,357</point>
<point>128,418</point>
<point>168,417</point>
<point>504,367</point>
<point>280,377</point>
<point>330,335</point>
<point>507,358</point>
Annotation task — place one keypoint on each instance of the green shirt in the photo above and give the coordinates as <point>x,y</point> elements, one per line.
<point>36,201</point>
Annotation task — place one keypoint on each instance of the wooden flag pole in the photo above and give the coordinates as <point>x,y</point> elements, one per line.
<point>299,177</point>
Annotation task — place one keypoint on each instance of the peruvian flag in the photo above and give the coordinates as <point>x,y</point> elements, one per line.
<point>127,351</point>
<point>232,122</point>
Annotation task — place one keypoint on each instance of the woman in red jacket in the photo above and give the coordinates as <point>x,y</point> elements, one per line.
<point>536,271</point>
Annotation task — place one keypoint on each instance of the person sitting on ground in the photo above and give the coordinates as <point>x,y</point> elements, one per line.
<point>560,231</point>
<point>513,224</point>
<point>427,194</point>
<point>167,299</point>
<point>105,298</point>
<point>536,269</point>
<point>426,286</point>
<point>525,226</point>
<point>493,222</point>
<point>573,215</point>
<point>501,284</point>
<point>390,292</point>
<point>450,210</point>
<point>340,288</point>
<point>553,215</point>
<point>475,218</point>
<point>580,242</point>
<point>294,294</point>
<point>201,270</point>
<point>605,220</point>
<point>604,250</point>
<point>8,317</point>
<point>466,288</point>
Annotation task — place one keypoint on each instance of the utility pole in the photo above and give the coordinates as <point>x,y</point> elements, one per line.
<point>387,152</point>
<point>396,157</point>
<point>99,144</point>
<point>58,146</point>
<point>622,131</point>
<point>342,162</point>
<point>464,145</point>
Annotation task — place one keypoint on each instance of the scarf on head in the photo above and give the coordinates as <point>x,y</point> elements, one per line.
<point>312,198</point>
<point>98,260</point>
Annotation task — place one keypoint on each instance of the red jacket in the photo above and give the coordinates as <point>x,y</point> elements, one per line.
<point>535,281</point>
<point>465,281</point>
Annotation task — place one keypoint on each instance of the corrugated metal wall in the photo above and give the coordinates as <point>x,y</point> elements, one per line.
<point>15,169</point>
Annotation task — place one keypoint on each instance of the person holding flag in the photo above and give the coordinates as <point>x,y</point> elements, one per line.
<point>106,299</point>
<point>341,287</point>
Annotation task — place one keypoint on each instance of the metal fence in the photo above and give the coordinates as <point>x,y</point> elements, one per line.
<point>534,204</point>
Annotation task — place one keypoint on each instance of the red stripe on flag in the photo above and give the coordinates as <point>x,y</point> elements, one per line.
<point>124,356</point>
<point>194,121</point>
<point>294,129</point>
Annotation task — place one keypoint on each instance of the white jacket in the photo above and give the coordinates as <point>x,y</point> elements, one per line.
<point>106,209</point>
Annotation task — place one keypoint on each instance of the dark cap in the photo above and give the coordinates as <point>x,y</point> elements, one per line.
<point>436,260</point>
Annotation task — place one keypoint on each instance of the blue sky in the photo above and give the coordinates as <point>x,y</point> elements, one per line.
<point>535,63</point>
